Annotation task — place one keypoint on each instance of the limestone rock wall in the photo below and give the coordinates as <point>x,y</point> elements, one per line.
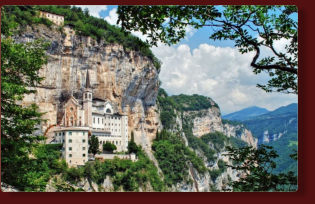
<point>209,120</point>
<point>240,132</point>
<point>126,78</point>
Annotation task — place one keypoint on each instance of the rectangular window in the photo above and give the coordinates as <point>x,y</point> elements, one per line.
<point>93,120</point>
<point>70,155</point>
<point>98,120</point>
<point>83,140</point>
<point>70,148</point>
<point>70,140</point>
<point>70,133</point>
<point>83,148</point>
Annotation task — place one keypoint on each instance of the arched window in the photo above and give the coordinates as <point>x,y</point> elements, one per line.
<point>108,110</point>
<point>71,121</point>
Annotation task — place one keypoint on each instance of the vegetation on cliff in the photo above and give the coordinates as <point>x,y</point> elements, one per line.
<point>209,145</point>
<point>171,106</point>
<point>174,158</point>
<point>125,174</point>
<point>82,23</point>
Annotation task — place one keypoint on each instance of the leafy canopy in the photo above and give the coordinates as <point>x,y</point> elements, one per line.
<point>20,63</point>
<point>256,167</point>
<point>252,28</point>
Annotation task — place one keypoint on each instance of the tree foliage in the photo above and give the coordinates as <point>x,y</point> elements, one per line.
<point>109,147</point>
<point>252,28</point>
<point>93,145</point>
<point>19,67</point>
<point>256,167</point>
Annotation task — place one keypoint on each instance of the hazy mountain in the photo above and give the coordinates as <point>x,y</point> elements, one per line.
<point>246,113</point>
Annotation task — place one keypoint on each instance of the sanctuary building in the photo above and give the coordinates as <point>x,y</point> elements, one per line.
<point>89,116</point>
<point>55,18</point>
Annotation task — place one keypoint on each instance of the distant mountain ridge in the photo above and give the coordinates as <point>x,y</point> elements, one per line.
<point>278,129</point>
<point>246,113</point>
<point>272,125</point>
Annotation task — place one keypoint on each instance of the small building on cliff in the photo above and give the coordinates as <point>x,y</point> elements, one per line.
<point>55,18</point>
<point>93,116</point>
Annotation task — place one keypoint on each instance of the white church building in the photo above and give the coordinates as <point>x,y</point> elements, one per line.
<point>93,116</point>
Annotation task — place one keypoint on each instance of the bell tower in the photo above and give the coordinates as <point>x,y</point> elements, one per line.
<point>87,101</point>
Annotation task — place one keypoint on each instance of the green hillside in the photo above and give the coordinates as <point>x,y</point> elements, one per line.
<point>81,21</point>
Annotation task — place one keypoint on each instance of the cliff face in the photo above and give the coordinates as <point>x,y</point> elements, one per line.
<point>195,123</point>
<point>126,78</point>
<point>209,121</point>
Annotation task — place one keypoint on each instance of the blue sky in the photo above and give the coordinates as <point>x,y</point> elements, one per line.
<point>198,65</point>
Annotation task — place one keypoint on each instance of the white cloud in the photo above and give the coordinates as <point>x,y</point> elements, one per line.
<point>220,73</point>
<point>190,31</point>
<point>94,10</point>
<point>279,46</point>
<point>113,17</point>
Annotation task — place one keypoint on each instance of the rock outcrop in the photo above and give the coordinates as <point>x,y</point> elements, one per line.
<point>209,121</point>
<point>8,188</point>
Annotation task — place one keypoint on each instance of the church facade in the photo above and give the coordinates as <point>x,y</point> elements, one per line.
<point>89,116</point>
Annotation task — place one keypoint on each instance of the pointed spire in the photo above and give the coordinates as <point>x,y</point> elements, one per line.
<point>87,83</point>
